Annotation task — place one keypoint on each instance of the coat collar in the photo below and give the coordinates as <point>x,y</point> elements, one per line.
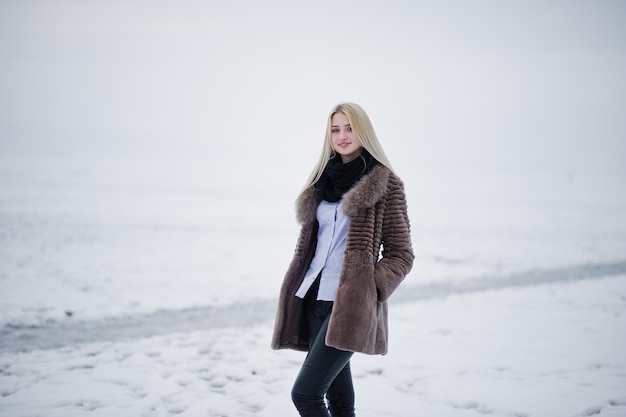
<point>365,193</point>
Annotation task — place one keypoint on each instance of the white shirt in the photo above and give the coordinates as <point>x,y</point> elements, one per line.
<point>329,253</point>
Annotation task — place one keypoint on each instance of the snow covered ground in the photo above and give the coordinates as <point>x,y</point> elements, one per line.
<point>127,290</point>
<point>151,151</point>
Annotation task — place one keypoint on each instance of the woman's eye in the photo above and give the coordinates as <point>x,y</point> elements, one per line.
<point>335,130</point>
<point>349,129</point>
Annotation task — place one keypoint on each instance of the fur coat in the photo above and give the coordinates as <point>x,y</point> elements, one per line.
<point>378,256</point>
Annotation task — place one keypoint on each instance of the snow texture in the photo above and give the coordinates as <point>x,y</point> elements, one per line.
<point>151,153</point>
<point>144,300</point>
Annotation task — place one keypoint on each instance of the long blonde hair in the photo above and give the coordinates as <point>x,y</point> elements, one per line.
<point>362,129</point>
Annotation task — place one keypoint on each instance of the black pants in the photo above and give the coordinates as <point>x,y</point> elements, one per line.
<point>325,371</point>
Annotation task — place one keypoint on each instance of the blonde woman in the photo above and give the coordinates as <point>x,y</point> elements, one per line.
<point>353,250</point>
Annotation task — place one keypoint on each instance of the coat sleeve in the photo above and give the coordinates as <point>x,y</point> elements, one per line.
<point>397,255</point>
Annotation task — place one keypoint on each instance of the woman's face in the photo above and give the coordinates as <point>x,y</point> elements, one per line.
<point>343,140</point>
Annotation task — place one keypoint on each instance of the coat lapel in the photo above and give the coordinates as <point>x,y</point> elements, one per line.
<point>368,191</point>
<point>306,204</point>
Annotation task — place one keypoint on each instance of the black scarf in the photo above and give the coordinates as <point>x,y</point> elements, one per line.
<point>338,177</point>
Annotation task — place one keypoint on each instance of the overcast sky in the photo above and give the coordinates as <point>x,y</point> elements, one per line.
<point>468,84</point>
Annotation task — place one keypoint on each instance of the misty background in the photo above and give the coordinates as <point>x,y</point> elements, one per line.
<point>151,153</point>
<point>239,91</point>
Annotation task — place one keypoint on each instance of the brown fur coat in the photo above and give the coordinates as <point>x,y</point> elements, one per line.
<point>378,219</point>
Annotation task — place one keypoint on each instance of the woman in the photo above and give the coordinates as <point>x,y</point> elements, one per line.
<point>353,250</point>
